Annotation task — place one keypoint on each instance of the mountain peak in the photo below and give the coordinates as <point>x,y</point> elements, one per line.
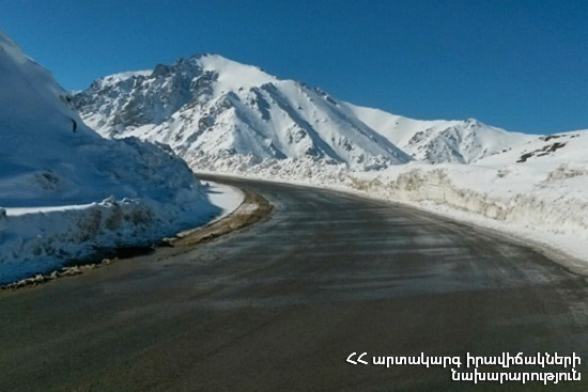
<point>213,105</point>
<point>234,75</point>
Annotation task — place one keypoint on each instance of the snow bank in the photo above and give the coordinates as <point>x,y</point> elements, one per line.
<point>41,241</point>
<point>552,211</point>
<point>53,170</point>
<point>37,240</point>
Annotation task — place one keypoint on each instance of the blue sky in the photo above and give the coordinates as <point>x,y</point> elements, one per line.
<point>520,65</point>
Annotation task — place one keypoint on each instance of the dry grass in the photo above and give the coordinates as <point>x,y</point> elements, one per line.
<point>254,209</point>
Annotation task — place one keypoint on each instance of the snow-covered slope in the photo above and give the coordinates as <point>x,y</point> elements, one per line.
<point>550,150</point>
<point>210,106</point>
<point>48,157</point>
<point>440,141</point>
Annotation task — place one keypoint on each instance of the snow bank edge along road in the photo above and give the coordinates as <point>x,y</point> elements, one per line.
<point>553,225</point>
<point>37,240</point>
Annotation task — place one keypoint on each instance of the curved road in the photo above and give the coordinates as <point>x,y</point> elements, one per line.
<point>280,306</point>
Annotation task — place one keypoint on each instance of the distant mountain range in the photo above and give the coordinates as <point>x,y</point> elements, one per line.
<point>441,141</point>
<point>210,105</point>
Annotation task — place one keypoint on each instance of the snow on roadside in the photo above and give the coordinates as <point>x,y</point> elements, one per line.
<point>542,212</point>
<point>537,192</point>
<point>39,240</point>
<point>226,197</point>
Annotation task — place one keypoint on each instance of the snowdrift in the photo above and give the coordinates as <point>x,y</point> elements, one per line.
<point>50,162</point>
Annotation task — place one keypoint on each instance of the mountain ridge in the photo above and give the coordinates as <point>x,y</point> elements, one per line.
<point>212,105</point>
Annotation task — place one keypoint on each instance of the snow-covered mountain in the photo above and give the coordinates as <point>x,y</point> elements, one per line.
<point>210,105</point>
<point>440,141</point>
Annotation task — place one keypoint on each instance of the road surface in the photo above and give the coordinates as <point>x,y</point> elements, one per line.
<point>280,306</point>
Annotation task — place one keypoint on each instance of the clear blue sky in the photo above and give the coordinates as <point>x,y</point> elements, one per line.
<point>520,65</point>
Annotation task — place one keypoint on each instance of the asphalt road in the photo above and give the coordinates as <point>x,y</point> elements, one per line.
<point>280,306</point>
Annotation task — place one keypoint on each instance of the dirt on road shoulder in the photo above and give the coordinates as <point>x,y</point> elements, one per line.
<point>254,208</point>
